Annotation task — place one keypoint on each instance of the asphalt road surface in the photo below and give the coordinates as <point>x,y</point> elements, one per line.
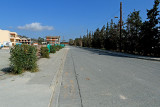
<point>96,79</point>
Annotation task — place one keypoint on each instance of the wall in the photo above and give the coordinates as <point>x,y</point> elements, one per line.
<point>4,36</point>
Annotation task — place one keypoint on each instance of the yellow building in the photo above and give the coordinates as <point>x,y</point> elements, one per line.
<point>4,36</point>
<point>14,38</point>
<point>8,37</point>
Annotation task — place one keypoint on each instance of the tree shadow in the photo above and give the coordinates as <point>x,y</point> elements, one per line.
<point>118,54</point>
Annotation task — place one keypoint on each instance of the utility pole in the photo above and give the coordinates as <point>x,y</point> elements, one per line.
<point>120,48</point>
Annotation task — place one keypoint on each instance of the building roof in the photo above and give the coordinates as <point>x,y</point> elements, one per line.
<point>52,36</point>
<point>13,33</point>
<point>25,38</point>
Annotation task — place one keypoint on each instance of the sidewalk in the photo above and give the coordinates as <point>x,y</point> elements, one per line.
<point>126,54</point>
<point>33,89</point>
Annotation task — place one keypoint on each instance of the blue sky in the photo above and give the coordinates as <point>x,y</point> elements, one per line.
<point>68,18</point>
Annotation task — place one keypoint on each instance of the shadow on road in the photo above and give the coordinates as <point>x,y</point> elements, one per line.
<point>118,54</point>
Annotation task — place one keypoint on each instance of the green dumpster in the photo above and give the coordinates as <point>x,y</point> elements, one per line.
<point>49,47</point>
<point>62,45</point>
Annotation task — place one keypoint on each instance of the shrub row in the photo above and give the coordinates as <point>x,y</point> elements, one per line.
<point>23,58</point>
<point>44,52</point>
<point>53,49</point>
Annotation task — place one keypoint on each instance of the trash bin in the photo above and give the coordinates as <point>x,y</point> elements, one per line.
<point>62,45</point>
<point>49,47</point>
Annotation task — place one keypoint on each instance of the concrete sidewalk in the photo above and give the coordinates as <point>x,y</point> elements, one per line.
<point>33,89</point>
<point>126,54</point>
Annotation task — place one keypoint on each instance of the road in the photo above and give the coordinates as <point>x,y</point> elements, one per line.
<point>96,79</point>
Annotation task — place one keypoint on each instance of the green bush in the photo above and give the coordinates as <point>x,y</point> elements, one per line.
<point>53,49</point>
<point>23,58</point>
<point>58,47</point>
<point>44,52</point>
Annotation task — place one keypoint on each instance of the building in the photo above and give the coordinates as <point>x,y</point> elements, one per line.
<point>66,43</point>
<point>25,41</point>
<point>53,39</point>
<point>14,38</point>
<point>44,43</point>
<point>4,36</point>
<point>7,37</point>
<point>35,44</point>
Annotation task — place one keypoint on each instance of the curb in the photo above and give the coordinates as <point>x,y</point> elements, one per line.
<point>57,76</point>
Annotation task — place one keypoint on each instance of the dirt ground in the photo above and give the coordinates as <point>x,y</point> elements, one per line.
<point>4,63</point>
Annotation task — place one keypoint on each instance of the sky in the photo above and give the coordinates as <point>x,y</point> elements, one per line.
<point>65,18</point>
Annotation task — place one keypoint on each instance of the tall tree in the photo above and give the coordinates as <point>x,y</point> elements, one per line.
<point>149,35</point>
<point>80,41</point>
<point>77,42</point>
<point>113,36</point>
<point>71,42</point>
<point>107,42</point>
<point>84,41</point>
<point>90,40</point>
<point>96,39</point>
<point>40,40</point>
<point>102,37</point>
<point>134,23</point>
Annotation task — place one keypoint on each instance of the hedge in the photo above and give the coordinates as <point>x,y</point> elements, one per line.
<point>23,58</point>
<point>55,48</point>
<point>52,49</point>
<point>44,52</point>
